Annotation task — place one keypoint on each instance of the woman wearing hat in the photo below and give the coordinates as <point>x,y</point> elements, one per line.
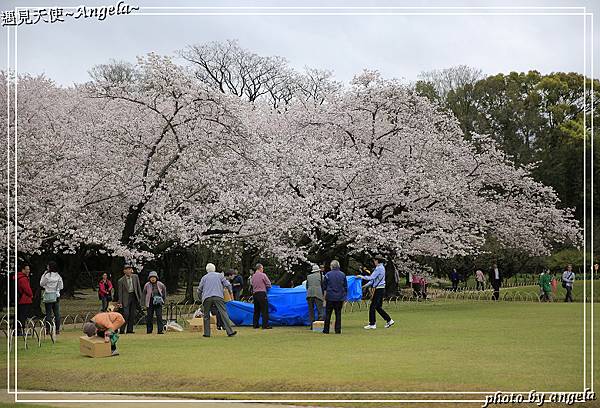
<point>314,294</point>
<point>154,295</point>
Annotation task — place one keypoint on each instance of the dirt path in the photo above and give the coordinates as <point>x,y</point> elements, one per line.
<point>9,398</point>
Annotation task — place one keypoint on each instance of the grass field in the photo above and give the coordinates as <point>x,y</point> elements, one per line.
<point>454,346</point>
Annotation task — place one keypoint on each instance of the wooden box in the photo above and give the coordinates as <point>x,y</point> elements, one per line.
<point>227,295</point>
<point>197,323</point>
<point>318,325</point>
<point>94,347</point>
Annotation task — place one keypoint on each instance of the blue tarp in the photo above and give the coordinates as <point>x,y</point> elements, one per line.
<point>287,306</point>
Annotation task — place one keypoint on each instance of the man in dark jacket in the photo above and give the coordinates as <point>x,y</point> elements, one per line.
<point>130,296</point>
<point>237,283</point>
<point>25,296</point>
<point>454,278</point>
<point>335,290</point>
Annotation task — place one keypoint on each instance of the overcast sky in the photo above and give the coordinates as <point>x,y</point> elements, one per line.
<point>398,46</point>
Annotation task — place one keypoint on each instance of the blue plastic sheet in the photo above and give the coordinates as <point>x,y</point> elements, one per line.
<point>287,306</point>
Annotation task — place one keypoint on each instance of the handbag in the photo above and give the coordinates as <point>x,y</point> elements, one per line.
<point>158,300</point>
<point>50,297</point>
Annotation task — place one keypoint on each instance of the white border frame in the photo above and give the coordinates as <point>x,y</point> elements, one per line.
<point>583,12</point>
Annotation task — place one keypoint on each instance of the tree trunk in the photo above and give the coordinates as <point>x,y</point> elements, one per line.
<point>70,273</point>
<point>116,272</point>
<point>194,258</point>
<point>170,264</point>
<point>130,222</point>
<point>391,284</point>
<point>248,262</point>
<point>284,280</point>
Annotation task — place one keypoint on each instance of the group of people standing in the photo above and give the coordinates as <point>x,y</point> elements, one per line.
<point>548,284</point>
<point>329,290</point>
<point>495,278</point>
<point>418,283</point>
<point>211,291</point>
<point>51,283</point>
<point>325,294</point>
<point>131,296</point>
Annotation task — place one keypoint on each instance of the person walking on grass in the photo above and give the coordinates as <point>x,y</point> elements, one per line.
<point>25,298</point>
<point>105,288</point>
<point>377,283</point>
<point>106,325</point>
<point>260,285</point>
<point>545,286</point>
<point>424,286</point>
<point>568,277</point>
<point>314,294</point>
<point>554,284</point>
<point>496,281</point>
<point>480,279</point>
<point>52,284</point>
<point>130,297</point>
<point>454,278</point>
<point>154,295</point>
<point>210,292</point>
<point>415,281</point>
<point>335,290</point>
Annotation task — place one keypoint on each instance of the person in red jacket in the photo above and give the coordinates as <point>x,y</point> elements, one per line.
<point>25,295</point>
<point>105,288</point>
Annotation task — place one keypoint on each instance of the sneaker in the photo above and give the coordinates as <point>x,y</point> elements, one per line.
<point>389,324</point>
<point>370,327</point>
<point>204,335</point>
<point>115,353</point>
<point>232,334</point>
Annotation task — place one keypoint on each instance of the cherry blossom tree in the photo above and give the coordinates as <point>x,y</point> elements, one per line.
<point>154,157</point>
<point>378,168</point>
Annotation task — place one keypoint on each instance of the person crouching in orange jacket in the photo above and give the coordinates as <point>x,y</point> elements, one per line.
<point>105,324</point>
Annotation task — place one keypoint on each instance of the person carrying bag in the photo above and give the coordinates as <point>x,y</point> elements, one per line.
<point>568,278</point>
<point>105,289</point>
<point>52,283</point>
<point>154,293</point>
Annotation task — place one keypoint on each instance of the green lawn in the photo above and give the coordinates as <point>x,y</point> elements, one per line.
<point>447,346</point>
